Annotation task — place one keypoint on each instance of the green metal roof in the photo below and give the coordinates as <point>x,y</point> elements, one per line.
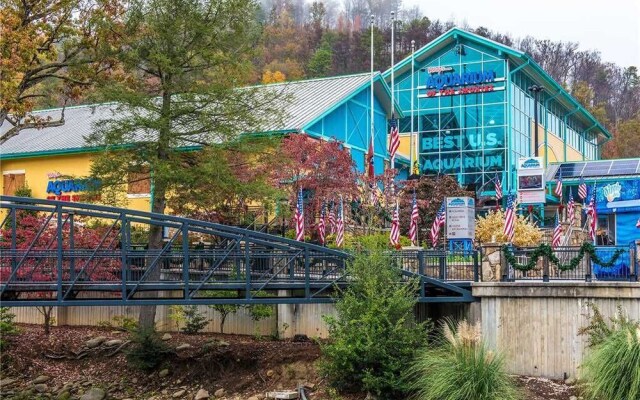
<point>519,58</point>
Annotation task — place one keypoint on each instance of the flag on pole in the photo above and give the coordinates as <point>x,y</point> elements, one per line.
<point>413,225</point>
<point>558,189</point>
<point>299,217</point>
<point>438,223</point>
<point>498,187</point>
<point>638,223</point>
<point>370,151</point>
<point>557,233</point>
<point>582,189</point>
<point>332,218</point>
<point>394,142</point>
<point>593,215</point>
<point>571,206</point>
<point>510,218</point>
<point>321,224</point>
<point>340,227</point>
<point>394,235</point>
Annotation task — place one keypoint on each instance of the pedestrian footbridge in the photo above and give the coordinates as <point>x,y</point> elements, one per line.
<point>57,253</point>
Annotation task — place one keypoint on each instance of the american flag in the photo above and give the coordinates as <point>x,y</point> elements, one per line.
<point>394,235</point>
<point>394,142</point>
<point>413,225</point>
<point>370,157</point>
<point>321,225</point>
<point>441,217</point>
<point>558,189</point>
<point>498,188</point>
<point>332,218</point>
<point>593,215</point>
<point>557,233</point>
<point>571,205</point>
<point>510,218</point>
<point>299,217</point>
<point>582,189</point>
<point>340,232</point>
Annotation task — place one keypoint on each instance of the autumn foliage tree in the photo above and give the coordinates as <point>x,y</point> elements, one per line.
<point>39,233</point>
<point>324,169</point>
<point>51,49</point>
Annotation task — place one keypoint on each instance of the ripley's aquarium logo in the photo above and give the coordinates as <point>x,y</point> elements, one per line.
<point>457,202</point>
<point>449,79</point>
<point>531,163</point>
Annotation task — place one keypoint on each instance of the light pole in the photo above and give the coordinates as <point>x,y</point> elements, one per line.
<point>536,90</point>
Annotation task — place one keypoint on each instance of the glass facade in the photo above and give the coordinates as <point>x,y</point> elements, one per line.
<point>473,115</point>
<point>459,114</point>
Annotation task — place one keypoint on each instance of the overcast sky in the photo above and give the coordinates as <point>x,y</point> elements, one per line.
<point>611,27</point>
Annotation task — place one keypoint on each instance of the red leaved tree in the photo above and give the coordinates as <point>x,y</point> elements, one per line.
<point>39,234</point>
<point>323,169</point>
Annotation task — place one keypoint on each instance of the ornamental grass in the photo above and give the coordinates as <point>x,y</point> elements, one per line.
<point>461,367</point>
<point>612,370</point>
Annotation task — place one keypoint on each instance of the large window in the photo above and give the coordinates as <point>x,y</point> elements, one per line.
<point>462,130</point>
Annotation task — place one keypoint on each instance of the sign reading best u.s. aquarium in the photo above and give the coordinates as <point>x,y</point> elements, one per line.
<point>446,82</point>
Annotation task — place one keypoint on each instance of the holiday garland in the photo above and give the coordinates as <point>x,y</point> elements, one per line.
<point>546,250</point>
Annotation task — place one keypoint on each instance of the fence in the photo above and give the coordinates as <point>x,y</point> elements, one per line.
<point>624,269</point>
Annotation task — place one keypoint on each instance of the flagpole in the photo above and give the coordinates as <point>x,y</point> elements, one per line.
<point>393,98</point>
<point>413,49</point>
<point>372,137</point>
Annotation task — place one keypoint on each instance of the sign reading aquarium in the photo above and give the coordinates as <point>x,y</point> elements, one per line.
<point>444,81</point>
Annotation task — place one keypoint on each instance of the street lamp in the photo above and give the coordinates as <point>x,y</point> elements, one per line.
<point>536,90</point>
<point>284,202</point>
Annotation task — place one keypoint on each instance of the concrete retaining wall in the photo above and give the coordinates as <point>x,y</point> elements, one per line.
<point>536,324</point>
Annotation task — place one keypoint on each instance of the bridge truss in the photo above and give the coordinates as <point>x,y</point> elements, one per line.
<point>49,257</point>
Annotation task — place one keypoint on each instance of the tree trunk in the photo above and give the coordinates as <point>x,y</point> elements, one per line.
<point>46,313</point>
<point>223,318</point>
<point>146,319</point>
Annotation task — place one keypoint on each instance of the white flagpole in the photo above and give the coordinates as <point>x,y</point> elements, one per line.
<point>372,138</point>
<point>413,49</point>
<point>393,88</point>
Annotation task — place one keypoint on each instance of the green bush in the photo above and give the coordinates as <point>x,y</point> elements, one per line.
<point>195,321</point>
<point>460,368</point>
<point>120,322</point>
<point>374,335</point>
<point>612,370</point>
<point>148,350</point>
<point>7,326</point>
<point>598,330</point>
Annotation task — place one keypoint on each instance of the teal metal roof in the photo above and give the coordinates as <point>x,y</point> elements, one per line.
<point>519,58</point>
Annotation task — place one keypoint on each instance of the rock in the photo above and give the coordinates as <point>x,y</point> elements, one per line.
<point>179,393</point>
<point>6,382</point>
<point>165,392</point>
<point>41,387</point>
<point>183,346</point>
<point>94,394</point>
<point>270,373</point>
<point>179,381</point>
<point>286,394</point>
<point>63,396</point>
<point>309,385</point>
<point>134,380</point>
<point>570,381</point>
<point>573,398</point>
<point>113,343</point>
<point>201,395</point>
<point>222,343</point>
<point>95,342</point>
<point>166,336</point>
<point>253,398</point>
<point>219,393</point>
<point>41,379</point>
<point>115,333</point>
<point>163,373</point>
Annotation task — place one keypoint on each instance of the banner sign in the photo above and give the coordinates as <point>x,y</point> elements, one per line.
<point>530,178</point>
<point>461,218</point>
